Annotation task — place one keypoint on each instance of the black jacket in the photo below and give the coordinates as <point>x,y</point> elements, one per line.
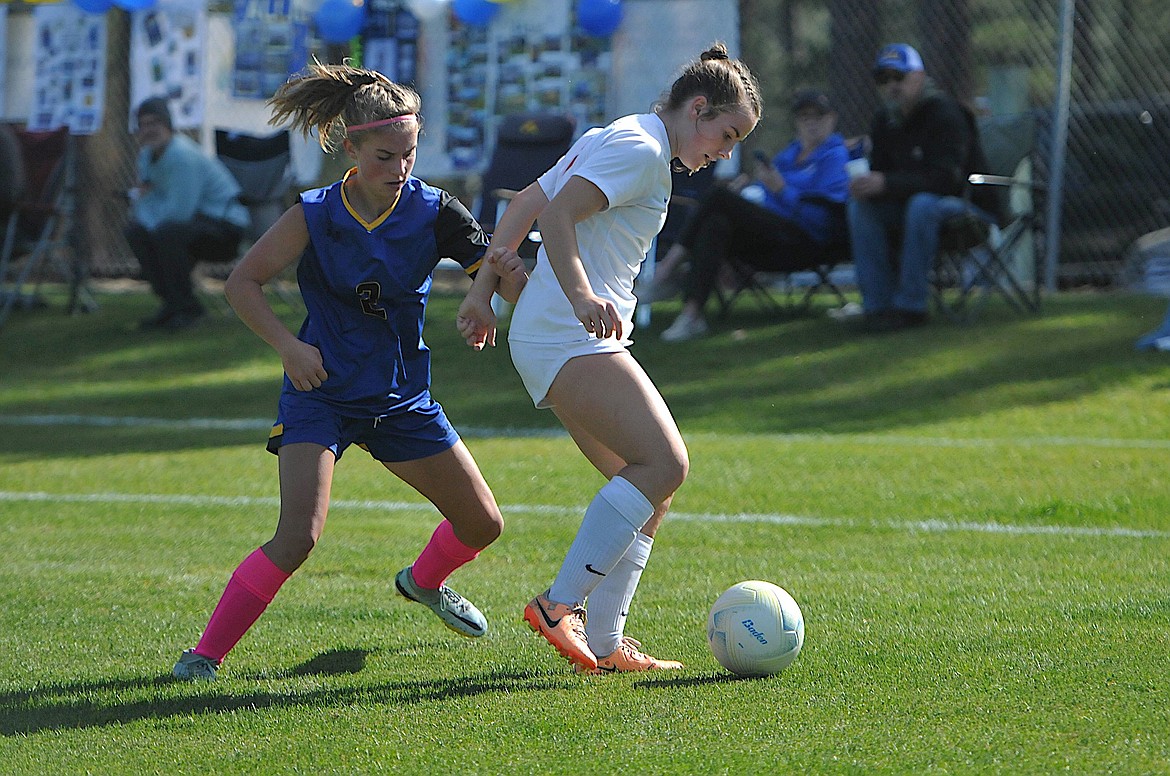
<point>927,151</point>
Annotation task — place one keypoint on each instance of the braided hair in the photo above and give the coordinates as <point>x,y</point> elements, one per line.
<point>727,84</point>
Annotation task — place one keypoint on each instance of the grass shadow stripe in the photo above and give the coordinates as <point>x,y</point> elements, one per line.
<point>931,526</point>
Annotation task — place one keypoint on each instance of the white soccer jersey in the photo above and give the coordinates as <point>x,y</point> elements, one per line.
<point>629,160</point>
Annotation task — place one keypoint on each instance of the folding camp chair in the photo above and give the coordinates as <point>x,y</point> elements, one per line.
<point>977,260</point>
<point>263,168</point>
<point>527,144</point>
<point>803,273</point>
<point>37,224</point>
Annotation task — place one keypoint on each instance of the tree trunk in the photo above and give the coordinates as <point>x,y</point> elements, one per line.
<point>946,34</point>
<point>854,40</point>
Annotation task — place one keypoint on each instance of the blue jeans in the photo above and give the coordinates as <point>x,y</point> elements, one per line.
<point>874,230</point>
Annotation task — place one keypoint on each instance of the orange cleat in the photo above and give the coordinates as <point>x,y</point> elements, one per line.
<point>563,626</point>
<point>628,657</point>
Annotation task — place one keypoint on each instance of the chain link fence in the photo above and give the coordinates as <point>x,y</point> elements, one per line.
<point>1001,56</point>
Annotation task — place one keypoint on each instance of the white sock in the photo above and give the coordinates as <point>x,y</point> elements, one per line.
<point>609,603</point>
<point>610,525</point>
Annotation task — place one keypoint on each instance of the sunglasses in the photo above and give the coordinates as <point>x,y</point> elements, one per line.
<point>883,77</point>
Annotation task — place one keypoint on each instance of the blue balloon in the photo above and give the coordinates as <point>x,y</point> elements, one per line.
<point>135,5</point>
<point>94,6</point>
<point>477,12</point>
<point>340,20</point>
<point>599,17</point>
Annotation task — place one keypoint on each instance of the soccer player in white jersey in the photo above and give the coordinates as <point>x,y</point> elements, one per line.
<point>600,208</point>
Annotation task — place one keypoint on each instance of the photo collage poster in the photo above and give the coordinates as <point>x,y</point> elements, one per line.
<point>168,49</point>
<point>390,41</point>
<point>272,43</point>
<point>69,84</point>
<point>530,58</point>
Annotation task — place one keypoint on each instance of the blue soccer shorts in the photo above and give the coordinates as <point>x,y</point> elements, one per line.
<point>407,436</point>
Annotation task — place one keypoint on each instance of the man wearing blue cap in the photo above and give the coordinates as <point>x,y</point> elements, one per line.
<point>924,144</point>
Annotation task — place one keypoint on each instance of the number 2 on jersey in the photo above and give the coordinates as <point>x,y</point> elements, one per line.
<point>368,295</point>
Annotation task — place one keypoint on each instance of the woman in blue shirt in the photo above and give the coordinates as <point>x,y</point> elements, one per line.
<point>765,221</point>
<point>358,372</point>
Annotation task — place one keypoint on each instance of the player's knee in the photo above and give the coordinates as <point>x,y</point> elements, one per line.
<point>676,467</point>
<point>489,528</point>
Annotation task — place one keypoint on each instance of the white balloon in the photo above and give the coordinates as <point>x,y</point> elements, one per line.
<point>427,10</point>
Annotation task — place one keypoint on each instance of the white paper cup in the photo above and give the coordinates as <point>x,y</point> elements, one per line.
<point>855,168</point>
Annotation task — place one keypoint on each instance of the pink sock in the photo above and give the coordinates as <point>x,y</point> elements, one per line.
<point>248,593</point>
<point>443,554</point>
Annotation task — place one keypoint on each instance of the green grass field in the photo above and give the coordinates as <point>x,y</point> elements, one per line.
<point>975,521</point>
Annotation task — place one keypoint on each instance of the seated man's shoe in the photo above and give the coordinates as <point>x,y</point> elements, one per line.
<point>159,319</point>
<point>185,316</point>
<point>883,321</point>
<point>183,320</point>
<point>878,322</point>
<point>909,319</point>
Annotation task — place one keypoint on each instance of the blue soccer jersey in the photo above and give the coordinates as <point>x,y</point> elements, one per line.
<point>366,285</point>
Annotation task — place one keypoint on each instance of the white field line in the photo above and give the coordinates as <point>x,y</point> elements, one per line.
<point>269,502</point>
<point>263,424</point>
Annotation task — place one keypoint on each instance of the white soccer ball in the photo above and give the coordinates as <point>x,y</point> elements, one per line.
<point>755,629</point>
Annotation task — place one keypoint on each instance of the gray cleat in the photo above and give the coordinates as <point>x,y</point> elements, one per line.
<point>192,667</point>
<point>456,612</point>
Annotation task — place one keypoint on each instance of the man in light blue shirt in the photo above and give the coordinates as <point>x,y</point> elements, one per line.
<point>185,208</point>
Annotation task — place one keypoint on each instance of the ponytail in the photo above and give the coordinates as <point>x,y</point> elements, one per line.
<point>332,98</point>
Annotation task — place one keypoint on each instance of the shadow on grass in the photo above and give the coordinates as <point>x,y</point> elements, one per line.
<point>71,707</point>
<point>702,680</point>
<point>335,662</point>
<point>756,374</point>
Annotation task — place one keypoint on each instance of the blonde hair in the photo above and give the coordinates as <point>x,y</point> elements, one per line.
<point>727,84</point>
<point>332,98</point>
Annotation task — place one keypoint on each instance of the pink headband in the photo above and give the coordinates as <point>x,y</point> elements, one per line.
<point>382,122</point>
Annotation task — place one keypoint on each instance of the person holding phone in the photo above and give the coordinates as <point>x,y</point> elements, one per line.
<point>778,210</point>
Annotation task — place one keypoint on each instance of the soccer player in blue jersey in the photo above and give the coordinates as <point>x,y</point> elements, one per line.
<point>358,371</point>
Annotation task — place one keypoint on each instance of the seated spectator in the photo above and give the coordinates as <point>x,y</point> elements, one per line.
<point>923,145</point>
<point>762,218</point>
<point>185,207</point>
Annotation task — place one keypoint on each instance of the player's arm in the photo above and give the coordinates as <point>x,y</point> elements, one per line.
<point>277,250</point>
<point>577,200</point>
<point>514,226</point>
<point>502,269</point>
